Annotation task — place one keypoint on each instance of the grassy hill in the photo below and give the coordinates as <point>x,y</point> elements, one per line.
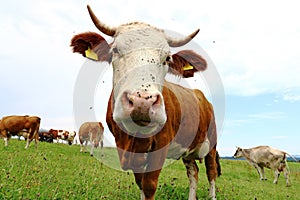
<point>58,171</point>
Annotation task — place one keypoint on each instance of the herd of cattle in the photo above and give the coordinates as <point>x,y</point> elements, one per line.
<point>150,118</point>
<point>29,127</point>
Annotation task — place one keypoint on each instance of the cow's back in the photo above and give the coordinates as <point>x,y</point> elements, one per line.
<point>267,156</point>
<point>90,127</point>
<point>13,123</point>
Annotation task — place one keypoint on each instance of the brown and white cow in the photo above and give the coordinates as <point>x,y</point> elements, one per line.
<point>14,124</point>
<point>150,118</point>
<point>91,132</point>
<point>67,136</point>
<point>266,156</point>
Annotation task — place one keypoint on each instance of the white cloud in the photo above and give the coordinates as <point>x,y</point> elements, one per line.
<point>256,46</point>
<point>267,116</point>
<point>292,98</point>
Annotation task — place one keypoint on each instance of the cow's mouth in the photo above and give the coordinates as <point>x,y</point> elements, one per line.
<point>143,123</point>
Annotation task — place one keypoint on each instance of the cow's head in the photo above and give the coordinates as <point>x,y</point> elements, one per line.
<point>238,153</point>
<point>141,57</point>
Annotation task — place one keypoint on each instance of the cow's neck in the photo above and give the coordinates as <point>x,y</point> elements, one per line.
<point>246,153</point>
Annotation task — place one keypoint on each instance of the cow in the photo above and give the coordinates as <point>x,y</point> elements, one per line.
<point>150,118</point>
<point>67,136</point>
<point>91,132</point>
<point>14,124</point>
<point>266,156</point>
<point>23,133</point>
<point>46,137</point>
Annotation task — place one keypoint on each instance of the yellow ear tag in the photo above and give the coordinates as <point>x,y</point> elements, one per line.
<point>91,54</point>
<point>188,67</point>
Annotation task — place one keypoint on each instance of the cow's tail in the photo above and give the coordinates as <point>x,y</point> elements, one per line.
<point>292,157</point>
<point>218,164</point>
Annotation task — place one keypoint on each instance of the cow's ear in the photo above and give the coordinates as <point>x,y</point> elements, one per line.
<point>185,63</point>
<point>91,45</point>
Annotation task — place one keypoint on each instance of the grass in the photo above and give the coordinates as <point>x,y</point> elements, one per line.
<point>58,171</point>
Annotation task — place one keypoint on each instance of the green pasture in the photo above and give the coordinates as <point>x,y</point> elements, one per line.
<point>59,171</point>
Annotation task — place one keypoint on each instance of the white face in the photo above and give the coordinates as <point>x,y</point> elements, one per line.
<point>140,64</point>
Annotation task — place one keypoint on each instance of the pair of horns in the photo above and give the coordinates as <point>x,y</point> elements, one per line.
<point>110,31</point>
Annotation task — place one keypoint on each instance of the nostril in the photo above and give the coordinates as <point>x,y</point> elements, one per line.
<point>130,102</point>
<point>157,101</point>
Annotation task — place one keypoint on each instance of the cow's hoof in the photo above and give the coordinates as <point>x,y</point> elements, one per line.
<point>92,155</point>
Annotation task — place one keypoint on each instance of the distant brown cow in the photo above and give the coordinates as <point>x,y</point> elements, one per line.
<point>91,132</point>
<point>12,125</point>
<point>266,156</point>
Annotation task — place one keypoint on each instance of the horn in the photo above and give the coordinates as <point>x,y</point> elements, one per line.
<point>101,26</point>
<point>180,42</point>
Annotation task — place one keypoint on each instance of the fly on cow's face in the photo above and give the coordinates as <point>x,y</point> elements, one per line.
<point>115,50</point>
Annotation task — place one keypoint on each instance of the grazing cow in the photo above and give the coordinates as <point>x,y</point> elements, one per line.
<point>91,132</point>
<point>13,125</point>
<point>151,118</point>
<point>46,137</point>
<point>266,156</point>
<point>63,135</point>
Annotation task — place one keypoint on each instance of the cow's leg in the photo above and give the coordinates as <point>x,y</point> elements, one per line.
<point>85,146</point>
<point>258,168</point>
<point>276,173</point>
<point>263,173</point>
<point>27,143</point>
<point>155,161</point>
<point>81,141</point>
<point>36,136</point>
<point>81,147</point>
<point>149,184</point>
<point>138,179</point>
<point>29,138</point>
<point>101,145</point>
<point>192,173</point>
<point>36,139</point>
<point>211,171</point>
<point>5,136</point>
<point>92,150</point>
<point>286,175</point>
<point>5,141</point>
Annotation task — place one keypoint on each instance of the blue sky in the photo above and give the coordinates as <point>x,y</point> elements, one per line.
<point>254,46</point>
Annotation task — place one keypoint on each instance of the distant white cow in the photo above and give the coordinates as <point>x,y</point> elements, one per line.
<point>266,156</point>
<point>91,132</point>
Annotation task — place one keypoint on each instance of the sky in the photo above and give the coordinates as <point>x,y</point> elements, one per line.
<point>253,45</point>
